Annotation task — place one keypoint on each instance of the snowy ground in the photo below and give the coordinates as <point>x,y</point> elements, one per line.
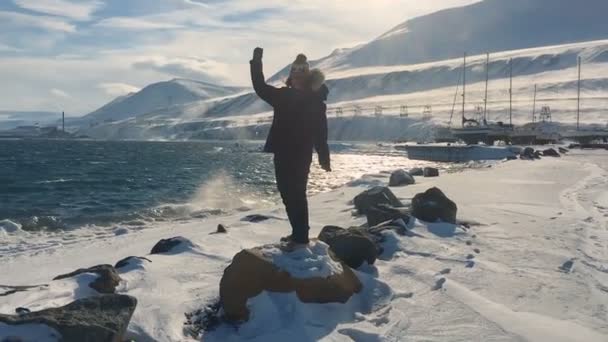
<point>533,266</point>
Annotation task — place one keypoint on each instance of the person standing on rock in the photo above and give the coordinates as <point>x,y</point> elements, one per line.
<point>299,124</point>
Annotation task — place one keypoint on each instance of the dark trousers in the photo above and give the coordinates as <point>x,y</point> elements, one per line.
<point>292,179</point>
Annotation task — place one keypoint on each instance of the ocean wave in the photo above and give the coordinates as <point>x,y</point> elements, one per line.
<point>53,181</point>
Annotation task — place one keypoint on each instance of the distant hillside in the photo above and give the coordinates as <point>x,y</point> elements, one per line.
<point>11,119</point>
<point>487,26</point>
<point>156,96</point>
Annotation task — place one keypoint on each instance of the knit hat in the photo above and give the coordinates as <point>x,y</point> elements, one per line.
<point>300,64</point>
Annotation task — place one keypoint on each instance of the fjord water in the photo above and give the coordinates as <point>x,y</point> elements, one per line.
<point>52,185</point>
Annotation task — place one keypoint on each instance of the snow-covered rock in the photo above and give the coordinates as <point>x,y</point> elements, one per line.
<point>8,226</point>
<point>106,281</point>
<point>96,319</point>
<point>309,272</point>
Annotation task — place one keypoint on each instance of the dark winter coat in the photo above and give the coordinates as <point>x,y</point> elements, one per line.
<point>300,121</point>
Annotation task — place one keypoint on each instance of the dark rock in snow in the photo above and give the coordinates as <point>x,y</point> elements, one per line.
<point>383,213</point>
<point>170,245</point>
<point>550,152</point>
<point>401,178</point>
<point>431,172</point>
<point>563,150</point>
<point>255,218</point>
<point>433,205</point>
<point>374,197</point>
<point>221,229</point>
<point>416,172</point>
<point>537,155</point>
<point>527,153</point>
<point>22,311</point>
<point>130,261</point>
<point>96,319</point>
<point>107,278</point>
<point>353,246</point>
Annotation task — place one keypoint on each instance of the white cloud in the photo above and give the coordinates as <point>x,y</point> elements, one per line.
<point>60,93</point>
<point>14,19</point>
<point>80,10</point>
<point>187,67</point>
<point>136,24</point>
<point>175,38</point>
<point>117,88</point>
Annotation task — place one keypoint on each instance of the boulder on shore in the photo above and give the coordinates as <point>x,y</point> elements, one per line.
<point>550,152</point>
<point>107,278</point>
<point>383,213</point>
<point>431,172</point>
<point>527,153</point>
<point>401,178</point>
<point>172,245</point>
<point>374,197</point>
<point>416,172</point>
<point>96,319</point>
<point>353,246</point>
<point>433,205</point>
<point>253,271</point>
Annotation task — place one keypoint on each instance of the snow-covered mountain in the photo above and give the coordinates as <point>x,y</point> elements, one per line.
<point>486,26</point>
<point>12,119</point>
<point>416,64</point>
<point>157,96</point>
<point>553,69</point>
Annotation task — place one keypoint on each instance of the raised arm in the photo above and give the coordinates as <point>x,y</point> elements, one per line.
<point>320,142</point>
<point>266,92</point>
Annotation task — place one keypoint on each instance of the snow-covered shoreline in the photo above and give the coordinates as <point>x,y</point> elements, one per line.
<point>506,278</point>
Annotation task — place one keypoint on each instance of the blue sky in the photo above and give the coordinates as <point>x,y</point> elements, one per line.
<point>75,55</point>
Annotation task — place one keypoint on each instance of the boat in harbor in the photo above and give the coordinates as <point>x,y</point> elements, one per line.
<point>458,153</point>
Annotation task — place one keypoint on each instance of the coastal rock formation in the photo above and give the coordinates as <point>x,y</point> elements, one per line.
<point>431,172</point>
<point>550,152</point>
<point>353,246</point>
<point>374,197</point>
<point>401,178</point>
<point>101,318</point>
<point>382,213</point>
<point>173,245</point>
<point>416,172</point>
<point>311,273</point>
<point>433,205</point>
<point>107,278</point>
<point>131,262</point>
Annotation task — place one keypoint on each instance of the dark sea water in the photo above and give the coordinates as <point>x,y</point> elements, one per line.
<point>68,184</point>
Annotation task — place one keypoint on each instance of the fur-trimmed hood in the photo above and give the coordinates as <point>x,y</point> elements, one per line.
<point>317,79</point>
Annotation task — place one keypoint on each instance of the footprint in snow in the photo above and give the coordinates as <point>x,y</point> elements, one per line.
<point>470,264</point>
<point>470,257</point>
<point>476,250</point>
<point>469,243</point>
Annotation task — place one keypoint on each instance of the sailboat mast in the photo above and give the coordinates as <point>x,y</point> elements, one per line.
<point>464,85</point>
<point>578,99</point>
<point>534,106</point>
<point>511,93</point>
<point>485,101</point>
